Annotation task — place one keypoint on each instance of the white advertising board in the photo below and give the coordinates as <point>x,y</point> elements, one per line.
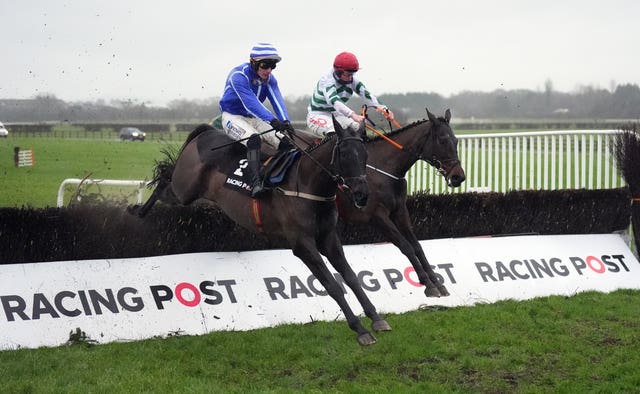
<point>131,299</point>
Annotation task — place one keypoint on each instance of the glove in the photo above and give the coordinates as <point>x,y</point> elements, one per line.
<point>278,125</point>
<point>289,128</point>
<point>285,144</point>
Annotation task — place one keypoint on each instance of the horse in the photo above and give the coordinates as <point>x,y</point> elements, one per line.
<point>390,157</point>
<point>302,208</point>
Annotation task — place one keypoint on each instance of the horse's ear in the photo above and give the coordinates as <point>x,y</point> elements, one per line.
<point>362,130</point>
<point>447,115</point>
<point>337,126</point>
<point>431,116</point>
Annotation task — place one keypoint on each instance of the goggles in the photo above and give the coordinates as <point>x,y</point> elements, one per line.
<point>265,64</point>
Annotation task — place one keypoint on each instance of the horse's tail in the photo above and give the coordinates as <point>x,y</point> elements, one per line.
<point>161,183</point>
<point>162,173</point>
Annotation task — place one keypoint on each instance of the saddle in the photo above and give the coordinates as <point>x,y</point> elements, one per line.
<point>275,167</point>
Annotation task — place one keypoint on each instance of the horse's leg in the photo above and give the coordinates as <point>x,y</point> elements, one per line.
<point>426,276</point>
<point>306,251</point>
<point>142,210</point>
<point>331,247</point>
<point>403,223</point>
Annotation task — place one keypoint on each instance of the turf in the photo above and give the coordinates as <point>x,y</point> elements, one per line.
<point>584,343</point>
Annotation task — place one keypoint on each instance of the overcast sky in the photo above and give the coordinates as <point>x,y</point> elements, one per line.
<point>157,51</point>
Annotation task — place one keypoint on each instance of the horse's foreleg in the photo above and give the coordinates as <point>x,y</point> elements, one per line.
<point>306,252</point>
<point>403,223</point>
<point>426,276</point>
<point>332,248</point>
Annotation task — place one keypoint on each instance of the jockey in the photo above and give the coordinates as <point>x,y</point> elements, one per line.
<point>244,115</point>
<point>332,91</point>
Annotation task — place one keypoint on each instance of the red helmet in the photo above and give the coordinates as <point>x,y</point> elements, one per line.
<point>346,61</point>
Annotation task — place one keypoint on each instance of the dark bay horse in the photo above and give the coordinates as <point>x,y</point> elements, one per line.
<point>301,210</point>
<point>430,140</point>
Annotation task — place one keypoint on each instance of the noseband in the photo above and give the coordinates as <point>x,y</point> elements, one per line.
<point>434,161</point>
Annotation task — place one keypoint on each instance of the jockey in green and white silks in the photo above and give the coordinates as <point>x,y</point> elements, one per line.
<point>332,92</point>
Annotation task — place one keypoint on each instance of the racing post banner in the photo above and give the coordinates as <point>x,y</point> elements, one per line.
<point>131,299</point>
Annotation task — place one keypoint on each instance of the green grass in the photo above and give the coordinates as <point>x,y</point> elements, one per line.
<point>585,343</point>
<point>57,159</point>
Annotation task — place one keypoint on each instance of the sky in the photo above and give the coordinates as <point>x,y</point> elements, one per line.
<point>157,51</point>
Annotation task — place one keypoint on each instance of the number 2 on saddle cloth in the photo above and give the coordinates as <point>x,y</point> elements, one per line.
<point>273,171</point>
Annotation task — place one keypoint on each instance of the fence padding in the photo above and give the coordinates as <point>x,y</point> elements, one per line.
<point>96,232</point>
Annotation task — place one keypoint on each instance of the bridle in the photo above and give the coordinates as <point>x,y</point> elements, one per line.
<point>335,157</point>
<point>433,161</point>
<point>341,182</point>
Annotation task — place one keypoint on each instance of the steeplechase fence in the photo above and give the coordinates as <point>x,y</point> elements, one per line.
<point>138,186</point>
<point>542,160</point>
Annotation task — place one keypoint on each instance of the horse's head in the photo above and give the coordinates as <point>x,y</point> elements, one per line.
<point>349,162</point>
<point>441,149</point>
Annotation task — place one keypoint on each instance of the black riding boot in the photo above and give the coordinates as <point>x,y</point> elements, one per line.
<point>253,158</point>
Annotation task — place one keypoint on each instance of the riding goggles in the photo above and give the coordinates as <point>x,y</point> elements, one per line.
<point>264,65</point>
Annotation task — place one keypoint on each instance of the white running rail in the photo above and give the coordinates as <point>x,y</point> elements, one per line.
<point>541,160</point>
<point>140,185</point>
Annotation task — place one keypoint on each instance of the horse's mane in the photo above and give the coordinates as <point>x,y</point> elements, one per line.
<point>323,141</point>
<point>400,130</point>
<point>397,131</point>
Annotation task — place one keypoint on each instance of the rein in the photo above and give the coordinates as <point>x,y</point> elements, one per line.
<point>378,132</point>
<point>337,178</point>
<point>433,161</point>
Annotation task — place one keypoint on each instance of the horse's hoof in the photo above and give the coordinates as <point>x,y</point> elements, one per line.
<point>443,291</point>
<point>432,292</point>
<point>380,325</point>
<point>367,339</point>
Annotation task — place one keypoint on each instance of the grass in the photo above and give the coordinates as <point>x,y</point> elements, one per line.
<point>57,159</point>
<point>584,343</point>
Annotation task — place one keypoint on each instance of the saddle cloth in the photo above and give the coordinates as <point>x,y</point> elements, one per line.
<point>273,172</point>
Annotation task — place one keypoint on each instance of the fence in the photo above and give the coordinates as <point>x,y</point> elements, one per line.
<point>139,185</point>
<point>548,160</point>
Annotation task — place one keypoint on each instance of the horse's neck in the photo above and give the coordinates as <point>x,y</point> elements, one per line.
<point>314,176</point>
<point>389,158</point>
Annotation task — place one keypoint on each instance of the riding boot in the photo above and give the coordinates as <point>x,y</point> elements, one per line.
<point>253,159</point>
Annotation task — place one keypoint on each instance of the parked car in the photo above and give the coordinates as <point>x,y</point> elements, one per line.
<point>132,134</point>
<point>3,131</point>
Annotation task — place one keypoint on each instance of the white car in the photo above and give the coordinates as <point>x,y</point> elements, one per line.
<point>3,132</point>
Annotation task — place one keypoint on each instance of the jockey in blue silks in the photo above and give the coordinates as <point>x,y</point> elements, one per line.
<point>244,115</point>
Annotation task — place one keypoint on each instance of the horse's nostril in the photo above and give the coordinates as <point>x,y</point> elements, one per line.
<point>360,199</point>
<point>456,180</point>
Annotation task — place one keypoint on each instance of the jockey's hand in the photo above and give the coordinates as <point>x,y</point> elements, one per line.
<point>285,144</point>
<point>386,111</point>
<point>357,118</point>
<point>278,125</point>
<point>289,128</point>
